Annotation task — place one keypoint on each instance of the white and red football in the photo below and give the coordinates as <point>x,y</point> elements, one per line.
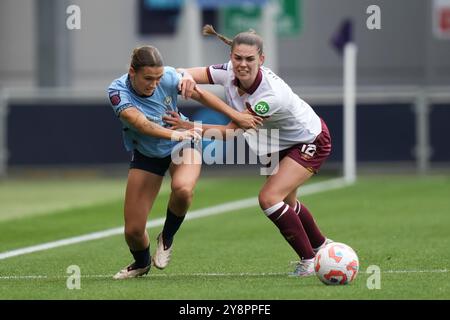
<point>336,264</point>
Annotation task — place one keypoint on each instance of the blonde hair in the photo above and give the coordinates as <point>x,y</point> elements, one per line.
<point>249,37</point>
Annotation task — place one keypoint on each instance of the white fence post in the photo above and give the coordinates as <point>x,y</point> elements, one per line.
<point>350,52</point>
<point>422,150</point>
<point>3,133</point>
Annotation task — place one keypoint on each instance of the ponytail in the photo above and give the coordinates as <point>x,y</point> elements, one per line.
<point>249,37</point>
<point>208,30</point>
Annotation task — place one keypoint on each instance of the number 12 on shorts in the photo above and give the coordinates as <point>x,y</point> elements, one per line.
<point>308,149</point>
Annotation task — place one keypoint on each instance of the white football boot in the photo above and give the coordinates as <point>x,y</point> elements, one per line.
<point>323,245</point>
<point>161,257</point>
<point>131,271</point>
<point>304,268</point>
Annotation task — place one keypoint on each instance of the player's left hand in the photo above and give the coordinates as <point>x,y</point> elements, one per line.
<point>246,120</point>
<point>174,120</point>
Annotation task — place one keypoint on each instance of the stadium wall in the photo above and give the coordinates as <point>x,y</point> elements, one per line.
<point>64,134</point>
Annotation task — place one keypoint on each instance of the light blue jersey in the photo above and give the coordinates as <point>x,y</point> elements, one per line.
<point>164,98</point>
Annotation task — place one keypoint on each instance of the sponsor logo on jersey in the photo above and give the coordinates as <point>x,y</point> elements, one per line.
<point>168,101</point>
<point>114,97</point>
<point>222,66</point>
<point>262,108</point>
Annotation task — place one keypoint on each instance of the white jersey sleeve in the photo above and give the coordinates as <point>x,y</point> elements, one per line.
<point>218,73</point>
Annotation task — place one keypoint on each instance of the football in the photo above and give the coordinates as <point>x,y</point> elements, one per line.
<point>336,264</point>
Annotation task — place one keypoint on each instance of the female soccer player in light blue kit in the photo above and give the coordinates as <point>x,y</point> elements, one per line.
<point>140,99</point>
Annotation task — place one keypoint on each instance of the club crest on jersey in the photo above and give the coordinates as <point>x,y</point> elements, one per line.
<point>262,108</point>
<point>114,97</point>
<point>168,101</point>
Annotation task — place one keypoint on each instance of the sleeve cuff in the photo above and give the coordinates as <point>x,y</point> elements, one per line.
<point>122,107</point>
<point>210,79</point>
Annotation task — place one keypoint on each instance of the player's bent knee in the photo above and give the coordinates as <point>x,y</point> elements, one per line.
<point>134,232</point>
<point>183,192</point>
<point>267,199</point>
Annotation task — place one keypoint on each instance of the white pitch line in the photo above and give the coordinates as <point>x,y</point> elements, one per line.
<point>205,212</point>
<point>212,275</point>
<point>417,271</point>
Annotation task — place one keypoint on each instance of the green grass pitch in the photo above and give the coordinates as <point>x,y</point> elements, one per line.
<point>399,223</point>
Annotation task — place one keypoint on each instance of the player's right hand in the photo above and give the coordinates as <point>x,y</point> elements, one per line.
<point>193,135</point>
<point>186,85</point>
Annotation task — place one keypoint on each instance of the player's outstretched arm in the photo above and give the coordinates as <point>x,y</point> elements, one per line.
<point>189,79</point>
<point>199,74</point>
<point>242,119</point>
<point>226,132</point>
<point>188,89</point>
<point>139,121</point>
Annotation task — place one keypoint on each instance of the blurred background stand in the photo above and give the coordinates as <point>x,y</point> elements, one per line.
<point>53,42</point>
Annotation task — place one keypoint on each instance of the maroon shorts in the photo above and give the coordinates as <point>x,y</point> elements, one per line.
<point>311,155</point>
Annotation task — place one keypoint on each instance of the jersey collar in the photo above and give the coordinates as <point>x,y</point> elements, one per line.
<point>130,87</point>
<point>255,84</point>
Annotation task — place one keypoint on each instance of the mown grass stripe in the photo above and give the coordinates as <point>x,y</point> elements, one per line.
<point>205,212</point>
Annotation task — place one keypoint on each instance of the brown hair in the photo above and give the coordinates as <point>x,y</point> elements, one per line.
<point>249,37</point>
<point>146,56</point>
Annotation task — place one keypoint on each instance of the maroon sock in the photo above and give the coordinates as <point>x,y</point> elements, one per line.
<point>312,230</point>
<point>292,229</point>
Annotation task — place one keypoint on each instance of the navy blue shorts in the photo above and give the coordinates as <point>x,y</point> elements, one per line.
<point>157,166</point>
